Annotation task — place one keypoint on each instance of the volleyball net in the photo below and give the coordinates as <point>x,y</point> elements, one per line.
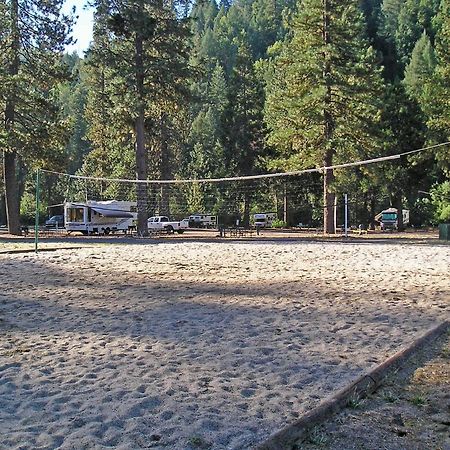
<point>292,198</point>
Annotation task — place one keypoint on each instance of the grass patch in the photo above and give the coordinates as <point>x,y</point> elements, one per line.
<point>317,437</point>
<point>355,402</point>
<point>418,400</point>
<point>390,397</point>
<point>198,442</point>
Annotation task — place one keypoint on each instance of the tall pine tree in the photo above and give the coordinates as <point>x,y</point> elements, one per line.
<point>33,36</point>
<point>142,45</point>
<point>323,95</point>
<point>438,87</point>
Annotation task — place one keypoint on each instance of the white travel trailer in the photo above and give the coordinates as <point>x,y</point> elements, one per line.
<point>264,220</point>
<point>203,221</point>
<point>101,217</point>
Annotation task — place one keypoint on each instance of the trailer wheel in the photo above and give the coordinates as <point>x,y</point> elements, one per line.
<point>169,229</point>
<point>180,231</point>
<point>106,231</point>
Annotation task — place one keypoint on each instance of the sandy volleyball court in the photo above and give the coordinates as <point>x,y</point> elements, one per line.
<point>188,345</point>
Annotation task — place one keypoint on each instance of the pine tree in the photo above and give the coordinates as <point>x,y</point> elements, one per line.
<point>142,47</point>
<point>72,97</point>
<point>437,90</point>
<point>415,16</point>
<point>31,47</point>
<point>323,96</point>
<point>245,133</point>
<point>404,129</point>
<point>420,68</point>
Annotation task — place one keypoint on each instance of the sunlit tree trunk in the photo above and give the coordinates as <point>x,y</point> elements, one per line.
<point>141,151</point>
<point>328,176</point>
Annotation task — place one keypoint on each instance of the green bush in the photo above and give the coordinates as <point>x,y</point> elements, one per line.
<point>421,212</point>
<point>279,224</point>
<point>440,198</point>
<point>28,210</point>
<point>444,216</point>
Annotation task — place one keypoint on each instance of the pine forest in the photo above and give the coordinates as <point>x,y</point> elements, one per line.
<point>207,90</point>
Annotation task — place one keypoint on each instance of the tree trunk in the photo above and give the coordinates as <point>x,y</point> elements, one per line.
<point>328,176</point>
<point>373,211</point>
<point>328,197</point>
<point>10,156</point>
<point>11,192</point>
<point>2,209</point>
<point>165,168</point>
<point>246,217</point>
<point>141,151</point>
<point>285,205</point>
<point>399,206</point>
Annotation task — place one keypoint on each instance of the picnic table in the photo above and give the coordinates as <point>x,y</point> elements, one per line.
<point>236,232</point>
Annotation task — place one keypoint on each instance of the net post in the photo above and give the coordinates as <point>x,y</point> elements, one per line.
<point>36,215</point>
<point>335,213</point>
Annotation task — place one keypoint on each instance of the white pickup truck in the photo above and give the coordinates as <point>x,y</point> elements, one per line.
<point>163,223</point>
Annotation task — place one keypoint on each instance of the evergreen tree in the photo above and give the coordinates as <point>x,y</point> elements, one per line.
<point>143,47</point>
<point>245,134</point>
<point>415,17</point>
<point>405,129</point>
<point>31,47</point>
<point>391,12</point>
<point>420,68</point>
<point>408,30</point>
<point>437,90</point>
<point>72,97</point>
<point>323,96</point>
<point>203,14</point>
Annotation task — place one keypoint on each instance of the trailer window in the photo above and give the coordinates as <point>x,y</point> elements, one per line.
<point>76,215</point>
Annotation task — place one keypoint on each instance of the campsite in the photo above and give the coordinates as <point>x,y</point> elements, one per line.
<point>224,224</point>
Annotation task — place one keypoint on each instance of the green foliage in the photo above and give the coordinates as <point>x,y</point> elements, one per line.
<point>420,68</point>
<point>30,70</point>
<point>297,88</point>
<point>114,77</point>
<point>437,88</point>
<point>277,223</point>
<point>440,198</point>
<point>414,19</point>
<point>28,209</point>
<point>404,130</point>
<point>72,97</point>
<point>32,130</point>
<point>422,212</point>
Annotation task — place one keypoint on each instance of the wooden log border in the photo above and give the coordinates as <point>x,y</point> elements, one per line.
<point>361,387</point>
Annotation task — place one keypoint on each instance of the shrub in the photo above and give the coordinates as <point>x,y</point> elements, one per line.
<point>440,198</point>
<point>279,224</point>
<point>28,210</point>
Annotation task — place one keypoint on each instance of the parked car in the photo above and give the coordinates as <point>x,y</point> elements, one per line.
<point>55,222</point>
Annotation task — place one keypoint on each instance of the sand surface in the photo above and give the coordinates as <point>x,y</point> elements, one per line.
<point>189,345</point>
